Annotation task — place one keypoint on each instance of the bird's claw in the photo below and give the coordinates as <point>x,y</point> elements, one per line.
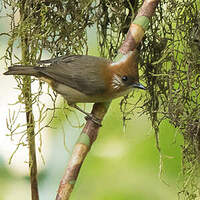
<point>93,118</point>
<point>89,115</point>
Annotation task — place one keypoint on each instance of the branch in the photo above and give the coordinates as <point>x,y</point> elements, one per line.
<point>139,26</point>
<point>26,90</point>
<point>82,147</point>
<point>90,131</point>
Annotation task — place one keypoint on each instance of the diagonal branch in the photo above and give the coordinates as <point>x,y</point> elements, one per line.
<point>139,26</point>
<point>90,131</point>
<point>82,147</point>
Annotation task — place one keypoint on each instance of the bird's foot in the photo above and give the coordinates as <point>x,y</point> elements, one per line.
<point>93,118</point>
<point>89,115</point>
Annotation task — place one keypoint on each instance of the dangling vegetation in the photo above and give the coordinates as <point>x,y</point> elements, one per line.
<point>169,58</point>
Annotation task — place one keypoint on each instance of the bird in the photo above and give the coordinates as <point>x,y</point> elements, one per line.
<point>85,78</point>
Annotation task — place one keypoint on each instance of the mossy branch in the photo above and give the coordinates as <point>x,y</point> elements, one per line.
<point>26,91</point>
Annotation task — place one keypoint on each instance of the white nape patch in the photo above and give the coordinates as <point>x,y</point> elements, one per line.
<point>123,59</point>
<point>116,82</point>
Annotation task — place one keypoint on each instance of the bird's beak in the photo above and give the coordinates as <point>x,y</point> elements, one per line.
<point>139,85</point>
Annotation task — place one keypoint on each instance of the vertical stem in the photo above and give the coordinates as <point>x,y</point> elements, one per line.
<point>31,138</point>
<point>30,130</point>
<point>24,12</point>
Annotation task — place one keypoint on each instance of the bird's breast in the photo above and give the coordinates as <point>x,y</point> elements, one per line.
<point>75,96</point>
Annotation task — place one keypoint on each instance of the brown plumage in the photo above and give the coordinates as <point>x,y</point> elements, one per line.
<point>81,78</point>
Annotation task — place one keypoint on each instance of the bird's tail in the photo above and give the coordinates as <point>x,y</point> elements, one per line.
<point>23,70</point>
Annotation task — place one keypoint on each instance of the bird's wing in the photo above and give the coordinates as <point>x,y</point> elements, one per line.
<point>83,73</point>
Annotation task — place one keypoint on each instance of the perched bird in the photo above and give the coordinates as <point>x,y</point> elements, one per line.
<point>82,78</point>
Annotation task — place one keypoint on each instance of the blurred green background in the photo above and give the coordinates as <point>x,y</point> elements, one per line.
<point>120,166</point>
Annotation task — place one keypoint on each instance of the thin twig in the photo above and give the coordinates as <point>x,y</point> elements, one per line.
<point>26,91</point>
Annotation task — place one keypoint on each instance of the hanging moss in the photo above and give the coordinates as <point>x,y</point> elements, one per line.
<point>171,65</point>
<point>169,58</point>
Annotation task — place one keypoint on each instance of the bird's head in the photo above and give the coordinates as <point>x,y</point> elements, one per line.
<point>124,73</point>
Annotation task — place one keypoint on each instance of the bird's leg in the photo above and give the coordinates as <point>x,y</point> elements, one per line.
<point>88,115</point>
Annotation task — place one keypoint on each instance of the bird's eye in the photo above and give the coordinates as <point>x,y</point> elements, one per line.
<point>124,78</point>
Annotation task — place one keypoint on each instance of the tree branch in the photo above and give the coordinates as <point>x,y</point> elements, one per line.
<point>90,131</point>
<point>82,147</point>
<point>24,12</point>
<point>139,26</point>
